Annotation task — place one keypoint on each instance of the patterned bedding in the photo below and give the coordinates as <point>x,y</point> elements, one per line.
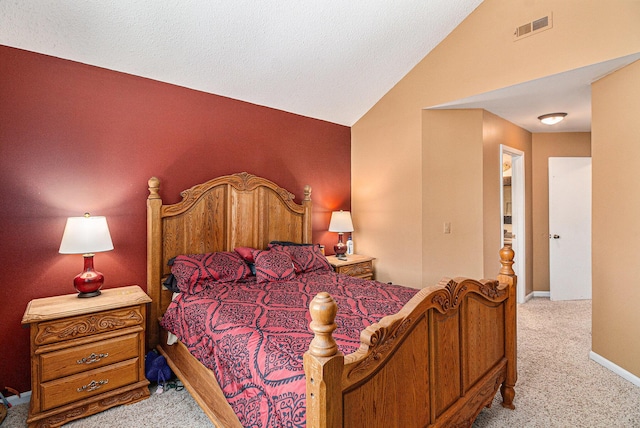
<point>253,335</point>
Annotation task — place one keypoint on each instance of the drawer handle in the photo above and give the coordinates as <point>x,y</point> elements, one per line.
<point>93,385</point>
<point>93,358</point>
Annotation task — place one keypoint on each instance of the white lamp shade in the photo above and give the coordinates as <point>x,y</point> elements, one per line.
<point>340,222</point>
<point>85,235</point>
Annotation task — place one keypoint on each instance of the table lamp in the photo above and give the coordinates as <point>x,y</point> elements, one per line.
<point>341,223</point>
<point>86,235</point>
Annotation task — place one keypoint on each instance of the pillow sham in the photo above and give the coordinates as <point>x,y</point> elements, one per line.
<point>246,253</point>
<point>306,258</point>
<point>273,266</point>
<point>195,271</point>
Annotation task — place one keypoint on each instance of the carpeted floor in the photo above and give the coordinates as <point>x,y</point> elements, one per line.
<point>558,385</point>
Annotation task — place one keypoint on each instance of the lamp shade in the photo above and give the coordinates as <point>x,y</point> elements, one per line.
<point>84,235</point>
<point>340,222</point>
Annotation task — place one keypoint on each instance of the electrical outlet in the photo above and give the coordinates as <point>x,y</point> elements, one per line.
<point>447,227</point>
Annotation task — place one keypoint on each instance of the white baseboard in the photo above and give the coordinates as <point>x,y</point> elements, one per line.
<point>541,294</point>
<point>25,397</point>
<point>615,368</point>
<point>533,294</point>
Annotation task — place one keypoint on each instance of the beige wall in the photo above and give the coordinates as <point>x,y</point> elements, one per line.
<point>478,56</point>
<point>498,131</point>
<point>615,139</point>
<point>386,196</point>
<point>452,151</point>
<point>461,188</point>
<point>562,144</point>
<point>388,177</point>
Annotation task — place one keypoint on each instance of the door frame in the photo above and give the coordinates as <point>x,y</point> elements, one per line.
<point>517,215</point>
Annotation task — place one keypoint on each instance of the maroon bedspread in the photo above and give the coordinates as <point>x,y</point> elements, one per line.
<point>253,336</point>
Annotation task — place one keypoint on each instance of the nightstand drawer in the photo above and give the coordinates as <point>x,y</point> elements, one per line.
<point>77,387</point>
<point>86,325</point>
<point>364,269</point>
<point>78,359</point>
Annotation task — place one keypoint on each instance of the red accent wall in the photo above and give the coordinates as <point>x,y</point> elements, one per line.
<point>76,138</point>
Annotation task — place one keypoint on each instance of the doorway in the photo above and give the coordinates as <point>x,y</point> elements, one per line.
<point>513,212</point>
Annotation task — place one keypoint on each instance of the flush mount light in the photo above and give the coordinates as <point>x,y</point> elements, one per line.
<point>552,118</point>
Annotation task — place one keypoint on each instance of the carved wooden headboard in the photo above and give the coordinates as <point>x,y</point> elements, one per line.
<point>238,210</point>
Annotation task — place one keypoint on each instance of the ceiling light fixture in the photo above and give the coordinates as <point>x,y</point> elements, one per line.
<point>552,118</point>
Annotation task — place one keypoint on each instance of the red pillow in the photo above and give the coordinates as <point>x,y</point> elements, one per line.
<point>306,258</point>
<point>246,253</point>
<point>195,271</point>
<point>273,266</point>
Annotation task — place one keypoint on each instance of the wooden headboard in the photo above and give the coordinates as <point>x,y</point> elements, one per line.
<point>238,210</point>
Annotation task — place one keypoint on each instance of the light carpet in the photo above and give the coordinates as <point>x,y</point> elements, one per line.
<point>558,385</point>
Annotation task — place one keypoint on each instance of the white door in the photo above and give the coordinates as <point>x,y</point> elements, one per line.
<point>570,228</point>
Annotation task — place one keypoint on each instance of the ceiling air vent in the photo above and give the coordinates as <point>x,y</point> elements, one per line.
<point>533,27</point>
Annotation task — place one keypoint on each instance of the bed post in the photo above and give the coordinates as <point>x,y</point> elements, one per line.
<point>154,260</point>
<point>507,276</point>
<point>323,365</point>
<point>307,226</point>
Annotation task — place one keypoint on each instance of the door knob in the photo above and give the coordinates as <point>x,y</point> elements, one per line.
<point>555,236</point>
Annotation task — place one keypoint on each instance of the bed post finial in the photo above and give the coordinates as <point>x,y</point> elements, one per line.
<point>506,259</point>
<point>307,193</point>
<point>323,314</point>
<point>154,186</point>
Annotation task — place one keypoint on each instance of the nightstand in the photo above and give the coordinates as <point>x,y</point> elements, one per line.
<point>355,265</point>
<point>87,355</point>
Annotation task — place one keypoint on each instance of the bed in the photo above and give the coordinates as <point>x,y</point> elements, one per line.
<point>436,362</point>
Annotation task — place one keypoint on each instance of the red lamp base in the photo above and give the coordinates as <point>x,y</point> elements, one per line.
<point>340,248</point>
<point>89,282</point>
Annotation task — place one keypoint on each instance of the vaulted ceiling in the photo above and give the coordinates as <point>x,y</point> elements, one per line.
<point>327,59</point>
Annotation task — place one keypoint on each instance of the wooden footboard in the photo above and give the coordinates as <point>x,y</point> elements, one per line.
<point>437,362</point>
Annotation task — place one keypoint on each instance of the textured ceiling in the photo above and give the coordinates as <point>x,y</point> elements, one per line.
<point>326,59</point>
